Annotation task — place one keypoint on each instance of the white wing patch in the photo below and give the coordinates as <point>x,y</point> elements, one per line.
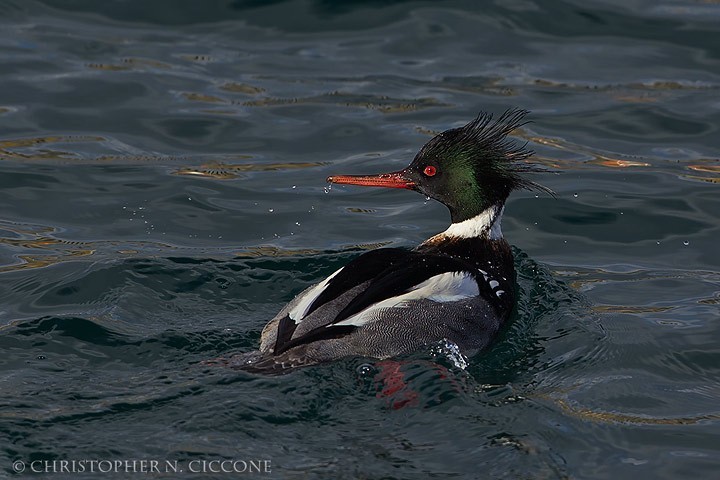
<point>446,287</point>
<point>300,310</point>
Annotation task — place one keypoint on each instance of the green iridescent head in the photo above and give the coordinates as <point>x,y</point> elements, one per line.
<point>469,169</point>
<point>473,167</point>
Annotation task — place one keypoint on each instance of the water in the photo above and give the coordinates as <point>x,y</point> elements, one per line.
<point>163,195</point>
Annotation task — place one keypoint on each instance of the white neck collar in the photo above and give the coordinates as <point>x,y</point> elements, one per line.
<point>485,224</point>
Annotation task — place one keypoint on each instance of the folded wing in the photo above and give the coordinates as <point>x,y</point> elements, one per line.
<point>394,277</point>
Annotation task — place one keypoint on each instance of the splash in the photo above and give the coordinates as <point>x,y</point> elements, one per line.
<point>452,352</point>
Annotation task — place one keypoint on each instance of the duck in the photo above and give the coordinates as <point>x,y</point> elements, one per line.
<point>457,287</point>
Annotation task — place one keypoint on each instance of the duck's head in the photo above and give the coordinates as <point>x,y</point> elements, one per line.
<point>469,169</point>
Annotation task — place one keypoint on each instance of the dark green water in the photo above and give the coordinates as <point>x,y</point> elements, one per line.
<point>162,171</point>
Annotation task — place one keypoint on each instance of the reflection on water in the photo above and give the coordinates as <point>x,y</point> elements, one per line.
<point>163,172</point>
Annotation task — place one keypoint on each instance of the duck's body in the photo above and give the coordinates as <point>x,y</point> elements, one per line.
<point>457,286</point>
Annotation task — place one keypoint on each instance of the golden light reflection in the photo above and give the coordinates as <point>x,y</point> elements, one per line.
<point>630,309</point>
<point>596,158</point>
<point>40,261</point>
<point>108,66</point>
<point>382,104</point>
<point>702,179</point>
<point>226,171</point>
<point>202,97</point>
<point>273,251</point>
<point>624,418</point>
<point>705,168</point>
<point>52,251</point>
<point>622,163</point>
<point>241,88</point>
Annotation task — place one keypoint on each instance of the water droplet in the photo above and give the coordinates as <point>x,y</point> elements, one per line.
<point>365,370</point>
<point>575,195</point>
<point>427,199</point>
<point>190,199</point>
<point>41,357</point>
<point>297,223</point>
<point>271,210</point>
<point>686,243</point>
<point>658,243</point>
<point>328,188</point>
<point>294,186</point>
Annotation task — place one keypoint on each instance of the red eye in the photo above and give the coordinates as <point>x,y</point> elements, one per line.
<point>430,171</point>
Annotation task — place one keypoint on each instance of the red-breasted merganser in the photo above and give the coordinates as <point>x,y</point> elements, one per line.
<point>457,286</point>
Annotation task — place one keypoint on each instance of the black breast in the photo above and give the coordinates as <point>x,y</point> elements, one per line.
<point>492,258</point>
